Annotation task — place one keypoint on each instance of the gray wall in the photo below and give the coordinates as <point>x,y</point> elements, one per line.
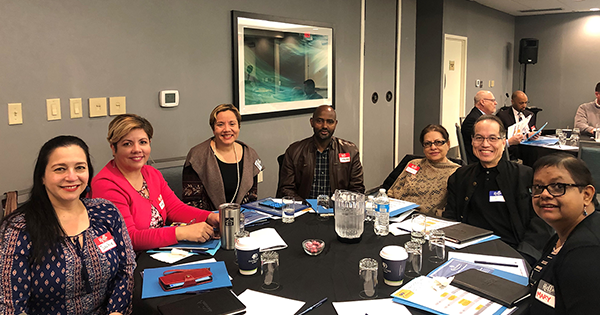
<point>490,40</point>
<point>85,48</point>
<point>568,64</point>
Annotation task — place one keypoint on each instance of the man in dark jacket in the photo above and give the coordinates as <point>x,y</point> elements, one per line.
<point>485,104</point>
<point>511,115</point>
<point>320,164</point>
<point>494,193</point>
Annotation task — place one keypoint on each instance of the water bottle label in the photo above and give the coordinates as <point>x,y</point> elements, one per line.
<point>382,208</point>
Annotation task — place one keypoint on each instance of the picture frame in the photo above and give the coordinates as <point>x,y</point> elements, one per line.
<point>274,61</point>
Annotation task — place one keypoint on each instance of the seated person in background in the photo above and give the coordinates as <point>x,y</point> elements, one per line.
<point>221,169</point>
<point>588,115</point>
<point>310,91</point>
<point>564,196</point>
<point>424,181</point>
<point>485,104</point>
<point>322,163</point>
<point>516,113</point>
<point>142,195</point>
<point>62,253</point>
<point>494,193</point>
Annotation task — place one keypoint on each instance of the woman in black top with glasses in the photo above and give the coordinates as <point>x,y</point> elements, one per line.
<point>565,280</point>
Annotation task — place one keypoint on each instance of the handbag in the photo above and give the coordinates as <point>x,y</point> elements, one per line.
<point>182,278</point>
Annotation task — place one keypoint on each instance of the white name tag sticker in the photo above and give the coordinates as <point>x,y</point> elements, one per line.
<point>411,168</point>
<point>161,202</point>
<point>344,157</point>
<point>105,242</point>
<point>545,293</point>
<point>496,196</point>
<point>258,164</point>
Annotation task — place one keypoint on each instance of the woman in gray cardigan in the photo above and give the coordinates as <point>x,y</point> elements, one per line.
<point>221,169</point>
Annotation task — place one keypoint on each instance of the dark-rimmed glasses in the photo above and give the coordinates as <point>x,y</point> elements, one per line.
<point>438,143</point>
<point>554,189</point>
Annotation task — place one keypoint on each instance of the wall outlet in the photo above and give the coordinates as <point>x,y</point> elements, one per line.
<point>117,105</point>
<point>15,114</point>
<point>53,109</point>
<point>97,106</point>
<point>76,109</point>
<point>259,178</point>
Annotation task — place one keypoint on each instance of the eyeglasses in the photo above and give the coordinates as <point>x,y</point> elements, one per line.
<point>554,189</point>
<point>490,99</point>
<point>491,139</point>
<point>438,143</point>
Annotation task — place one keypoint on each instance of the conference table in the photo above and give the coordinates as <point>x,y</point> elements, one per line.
<point>531,151</point>
<point>332,274</point>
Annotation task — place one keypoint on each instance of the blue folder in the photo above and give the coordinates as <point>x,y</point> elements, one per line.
<point>256,206</point>
<point>151,288</point>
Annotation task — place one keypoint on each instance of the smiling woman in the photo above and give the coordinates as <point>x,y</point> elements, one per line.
<point>58,237</point>
<point>221,169</point>
<point>141,193</point>
<point>424,181</point>
<point>564,280</point>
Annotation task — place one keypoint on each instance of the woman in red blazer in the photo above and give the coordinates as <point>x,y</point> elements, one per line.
<point>142,195</point>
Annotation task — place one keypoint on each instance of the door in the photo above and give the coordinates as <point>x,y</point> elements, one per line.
<point>379,79</point>
<point>454,80</point>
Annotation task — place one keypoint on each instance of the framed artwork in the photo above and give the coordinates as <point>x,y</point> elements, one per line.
<point>281,66</point>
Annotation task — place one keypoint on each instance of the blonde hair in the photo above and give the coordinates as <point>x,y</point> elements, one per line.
<point>222,108</point>
<point>122,125</point>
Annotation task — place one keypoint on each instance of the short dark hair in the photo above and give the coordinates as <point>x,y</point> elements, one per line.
<point>576,168</point>
<point>490,117</point>
<point>431,127</point>
<point>598,87</point>
<point>310,83</point>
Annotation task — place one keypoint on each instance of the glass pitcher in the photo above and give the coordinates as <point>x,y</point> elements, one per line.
<point>349,214</point>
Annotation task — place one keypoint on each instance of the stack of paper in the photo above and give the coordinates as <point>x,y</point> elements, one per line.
<point>258,303</point>
<point>268,239</point>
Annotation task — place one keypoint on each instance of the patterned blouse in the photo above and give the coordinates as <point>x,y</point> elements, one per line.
<point>427,188</point>
<point>88,279</point>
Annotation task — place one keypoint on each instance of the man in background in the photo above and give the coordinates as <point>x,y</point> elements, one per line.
<point>588,115</point>
<point>485,104</point>
<point>517,113</point>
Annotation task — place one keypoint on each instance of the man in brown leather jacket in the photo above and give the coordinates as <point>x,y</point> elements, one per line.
<point>320,164</point>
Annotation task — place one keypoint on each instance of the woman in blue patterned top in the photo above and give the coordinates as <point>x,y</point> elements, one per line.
<point>61,253</point>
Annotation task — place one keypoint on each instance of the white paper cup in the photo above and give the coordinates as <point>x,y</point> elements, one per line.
<point>393,262</point>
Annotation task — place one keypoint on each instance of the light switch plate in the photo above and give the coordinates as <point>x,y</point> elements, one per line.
<point>53,109</point>
<point>117,105</point>
<point>15,114</point>
<point>97,106</point>
<point>75,106</point>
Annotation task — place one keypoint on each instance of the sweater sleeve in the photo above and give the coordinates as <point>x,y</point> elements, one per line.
<point>142,237</point>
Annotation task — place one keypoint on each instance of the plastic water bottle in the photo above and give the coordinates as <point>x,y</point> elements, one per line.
<point>370,210</point>
<point>382,213</point>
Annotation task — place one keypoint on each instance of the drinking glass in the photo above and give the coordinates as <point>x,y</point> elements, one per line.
<point>288,209</point>
<point>415,258</point>
<point>322,204</point>
<point>575,137</point>
<point>367,269</point>
<point>437,246</point>
<point>562,138</point>
<point>597,133</point>
<point>269,269</point>
<point>418,228</point>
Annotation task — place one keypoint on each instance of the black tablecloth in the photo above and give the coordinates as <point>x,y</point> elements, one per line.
<point>531,153</point>
<point>332,274</point>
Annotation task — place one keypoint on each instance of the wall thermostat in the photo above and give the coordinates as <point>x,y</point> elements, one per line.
<point>168,98</point>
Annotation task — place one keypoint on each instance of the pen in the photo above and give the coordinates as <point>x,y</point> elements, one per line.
<point>314,306</point>
<point>493,263</point>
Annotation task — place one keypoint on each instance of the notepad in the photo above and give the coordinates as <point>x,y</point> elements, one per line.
<point>268,239</point>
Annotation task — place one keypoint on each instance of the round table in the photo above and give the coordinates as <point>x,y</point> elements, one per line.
<point>332,274</point>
